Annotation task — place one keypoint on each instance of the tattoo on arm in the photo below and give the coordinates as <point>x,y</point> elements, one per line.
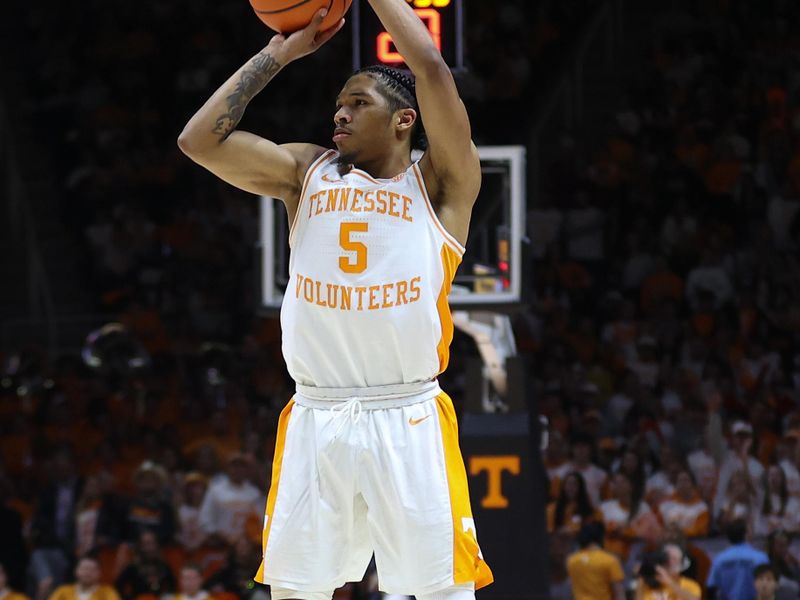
<point>252,80</point>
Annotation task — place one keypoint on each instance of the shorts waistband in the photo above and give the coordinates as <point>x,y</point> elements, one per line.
<point>371,398</point>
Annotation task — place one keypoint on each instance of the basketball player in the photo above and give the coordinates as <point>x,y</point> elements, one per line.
<point>367,456</point>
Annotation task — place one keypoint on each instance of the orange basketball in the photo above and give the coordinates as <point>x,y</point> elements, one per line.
<point>286,16</point>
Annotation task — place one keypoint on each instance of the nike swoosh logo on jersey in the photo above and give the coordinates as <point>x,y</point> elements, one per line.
<point>413,422</point>
<point>328,179</point>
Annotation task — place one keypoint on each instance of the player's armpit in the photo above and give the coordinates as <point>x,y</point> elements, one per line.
<point>259,166</point>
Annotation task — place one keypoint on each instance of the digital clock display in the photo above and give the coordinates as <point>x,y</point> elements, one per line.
<point>372,44</point>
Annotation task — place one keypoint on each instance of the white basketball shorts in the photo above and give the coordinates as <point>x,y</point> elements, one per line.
<point>353,475</point>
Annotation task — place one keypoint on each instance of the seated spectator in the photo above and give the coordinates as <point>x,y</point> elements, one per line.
<point>573,509</point>
<point>765,580</point>
<point>685,508</point>
<point>87,584</point>
<point>53,526</point>
<point>6,593</point>
<point>627,517</point>
<point>13,550</point>
<point>594,477</point>
<point>778,510</point>
<point>731,573</point>
<point>148,573</point>
<point>785,563</point>
<point>191,584</point>
<point>594,573</point>
<point>231,502</point>
<point>237,575</point>
<point>673,585</point>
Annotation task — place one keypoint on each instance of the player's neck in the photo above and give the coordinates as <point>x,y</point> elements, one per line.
<point>386,166</point>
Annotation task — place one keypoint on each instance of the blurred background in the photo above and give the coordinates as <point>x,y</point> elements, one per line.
<point>140,385</point>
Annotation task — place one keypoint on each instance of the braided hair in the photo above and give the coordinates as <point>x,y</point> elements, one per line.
<point>400,92</point>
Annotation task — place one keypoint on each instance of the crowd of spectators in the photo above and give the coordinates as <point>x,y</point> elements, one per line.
<point>665,323</point>
<point>663,327</point>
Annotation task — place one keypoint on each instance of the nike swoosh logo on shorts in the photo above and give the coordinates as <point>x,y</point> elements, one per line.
<point>413,422</point>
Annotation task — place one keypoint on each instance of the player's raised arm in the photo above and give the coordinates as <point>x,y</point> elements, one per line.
<point>243,159</point>
<point>451,165</point>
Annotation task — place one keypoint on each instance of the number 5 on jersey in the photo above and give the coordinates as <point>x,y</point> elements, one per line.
<point>346,263</point>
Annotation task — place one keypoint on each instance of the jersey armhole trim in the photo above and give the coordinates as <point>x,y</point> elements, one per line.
<point>306,180</point>
<point>448,237</point>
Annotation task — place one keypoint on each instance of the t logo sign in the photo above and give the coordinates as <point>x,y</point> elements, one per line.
<point>494,467</point>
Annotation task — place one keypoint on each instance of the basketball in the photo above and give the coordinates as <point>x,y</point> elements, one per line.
<point>286,16</point>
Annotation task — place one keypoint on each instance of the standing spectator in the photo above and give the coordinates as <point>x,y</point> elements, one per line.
<point>778,510</point>
<point>731,576</point>
<point>765,579</point>
<point>594,477</point>
<point>790,459</point>
<point>53,526</point>
<point>229,504</point>
<point>686,508</point>
<point>87,584</point>
<point>739,502</point>
<point>627,517</point>
<point>191,535</point>
<point>6,593</point>
<point>737,459</point>
<point>148,509</point>
<point>148,573</point>
<point>673,586</point>
<point>573,509</point>
<point>595,574</point>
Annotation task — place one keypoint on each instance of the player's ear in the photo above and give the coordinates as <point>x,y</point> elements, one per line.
<point>405,118</point>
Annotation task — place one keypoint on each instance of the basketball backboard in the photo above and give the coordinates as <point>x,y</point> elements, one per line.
<point>491,271</point>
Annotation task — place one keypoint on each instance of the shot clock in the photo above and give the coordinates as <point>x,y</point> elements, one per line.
<point>372,44</point>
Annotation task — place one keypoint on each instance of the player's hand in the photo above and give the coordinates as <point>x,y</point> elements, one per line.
<point>305,41</point>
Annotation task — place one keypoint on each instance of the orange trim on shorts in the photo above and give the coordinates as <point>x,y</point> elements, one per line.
<point>447,235</point>
<point>468,563</point>
<point>306,180</point>
<point>277,463</point>
<point>450,262</point>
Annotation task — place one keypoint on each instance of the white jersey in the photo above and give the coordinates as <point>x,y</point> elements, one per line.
<point>370,270</point>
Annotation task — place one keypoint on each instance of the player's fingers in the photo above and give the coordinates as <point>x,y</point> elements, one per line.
<point>312,28</point>
<point>324,36</point>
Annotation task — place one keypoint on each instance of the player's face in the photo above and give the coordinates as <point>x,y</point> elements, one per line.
<point>363,120</point>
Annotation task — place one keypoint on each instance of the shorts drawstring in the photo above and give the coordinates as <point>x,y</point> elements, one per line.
<point>352,409</point>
